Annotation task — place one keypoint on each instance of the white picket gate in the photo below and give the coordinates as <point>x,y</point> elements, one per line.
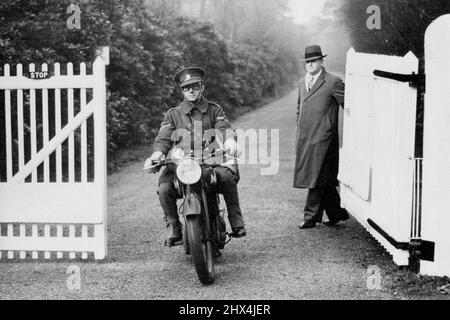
<point>53,189</point>
<point>402,201</point>
<point>377,158</point>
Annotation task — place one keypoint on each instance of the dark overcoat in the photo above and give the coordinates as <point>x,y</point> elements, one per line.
<point>317,138</point>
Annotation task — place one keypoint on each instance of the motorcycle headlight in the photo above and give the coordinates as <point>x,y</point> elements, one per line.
<point>189,171</point>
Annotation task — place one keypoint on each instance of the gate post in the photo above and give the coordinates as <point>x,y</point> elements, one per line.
<point>436,163</point>
<point>100,170</point>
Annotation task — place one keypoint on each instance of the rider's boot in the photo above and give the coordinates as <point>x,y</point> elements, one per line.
<point>174,234</point>
<point>239,232</point>
<point>168,199</point>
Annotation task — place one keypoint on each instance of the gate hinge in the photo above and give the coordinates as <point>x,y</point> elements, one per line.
<point>415,80</point>
<point>423,250</point>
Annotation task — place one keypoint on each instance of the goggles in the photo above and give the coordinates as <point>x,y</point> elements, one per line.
<point>194,86</point>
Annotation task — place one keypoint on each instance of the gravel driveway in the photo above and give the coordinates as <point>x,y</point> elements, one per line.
<point>275,261</point>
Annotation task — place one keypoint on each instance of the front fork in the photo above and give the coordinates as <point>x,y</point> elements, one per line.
<point>193,206</point>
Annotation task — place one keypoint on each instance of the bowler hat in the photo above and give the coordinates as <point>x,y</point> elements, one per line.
<point>313,52</point>
<point>189,75</point>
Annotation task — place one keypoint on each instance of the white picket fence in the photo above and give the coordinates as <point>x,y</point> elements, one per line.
<point>46,206</point>
<point>377,158</point>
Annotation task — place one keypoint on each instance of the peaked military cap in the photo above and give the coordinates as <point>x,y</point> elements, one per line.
<point>189,75</point>
<point>313,52</point>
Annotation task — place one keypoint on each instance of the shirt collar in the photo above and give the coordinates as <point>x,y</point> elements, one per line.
<point>316,76</point>
<point>187,106</point>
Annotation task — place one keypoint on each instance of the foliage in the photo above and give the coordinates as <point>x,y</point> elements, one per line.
<point>148,43</point>
<point>259,46</point>
<point>403,24</point>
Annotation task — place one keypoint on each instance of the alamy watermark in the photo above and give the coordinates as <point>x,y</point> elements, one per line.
<point>74,20</point>
<point>374,21</point>
<point>373,278</point>
<point>73,282</point>
<point>256,146</point>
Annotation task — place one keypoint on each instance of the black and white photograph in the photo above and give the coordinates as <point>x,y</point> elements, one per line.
<point>224,155</point>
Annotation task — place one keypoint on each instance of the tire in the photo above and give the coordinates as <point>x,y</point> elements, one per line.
<point>201,252</point>
<point>220,229</point>
<point>185,239</point>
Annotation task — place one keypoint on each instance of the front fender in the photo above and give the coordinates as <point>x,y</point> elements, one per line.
<point>192,204</point>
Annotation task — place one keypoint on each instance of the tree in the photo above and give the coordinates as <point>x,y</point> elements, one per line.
<point>149,41</point>
<point>403,24</point>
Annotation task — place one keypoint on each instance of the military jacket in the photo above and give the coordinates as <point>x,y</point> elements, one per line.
<point>189,116</point>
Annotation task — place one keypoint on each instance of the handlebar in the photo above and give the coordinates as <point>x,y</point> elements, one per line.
<point>201,160</point>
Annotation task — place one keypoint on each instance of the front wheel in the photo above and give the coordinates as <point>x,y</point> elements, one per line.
<point>185,239</point>
<point>201,251</point>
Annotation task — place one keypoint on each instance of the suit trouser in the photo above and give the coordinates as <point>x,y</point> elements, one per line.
<point>320,199</point>
<point>226,185</point>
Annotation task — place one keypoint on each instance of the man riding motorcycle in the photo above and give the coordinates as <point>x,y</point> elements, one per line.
<point>195,109</point>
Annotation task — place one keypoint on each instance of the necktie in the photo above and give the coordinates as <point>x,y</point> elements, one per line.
<point>310,84</point>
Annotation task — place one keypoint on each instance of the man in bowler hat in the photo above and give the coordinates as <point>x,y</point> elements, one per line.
<point>195,108</point>
<point>317,141</point>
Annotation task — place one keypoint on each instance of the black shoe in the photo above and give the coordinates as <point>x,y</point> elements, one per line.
<point>217,253</point>
<point>331,222</point>
<point>239,232</point>
<point>175,235</point>
<point>343,216</point>
<point>307,225</point>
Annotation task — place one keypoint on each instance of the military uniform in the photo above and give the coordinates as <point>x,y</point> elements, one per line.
<point>183,116</point>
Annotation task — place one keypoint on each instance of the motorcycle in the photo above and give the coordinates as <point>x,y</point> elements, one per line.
<point>204,228</point>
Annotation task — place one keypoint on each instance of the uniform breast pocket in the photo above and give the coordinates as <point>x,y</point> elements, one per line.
<point>207,123</point>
